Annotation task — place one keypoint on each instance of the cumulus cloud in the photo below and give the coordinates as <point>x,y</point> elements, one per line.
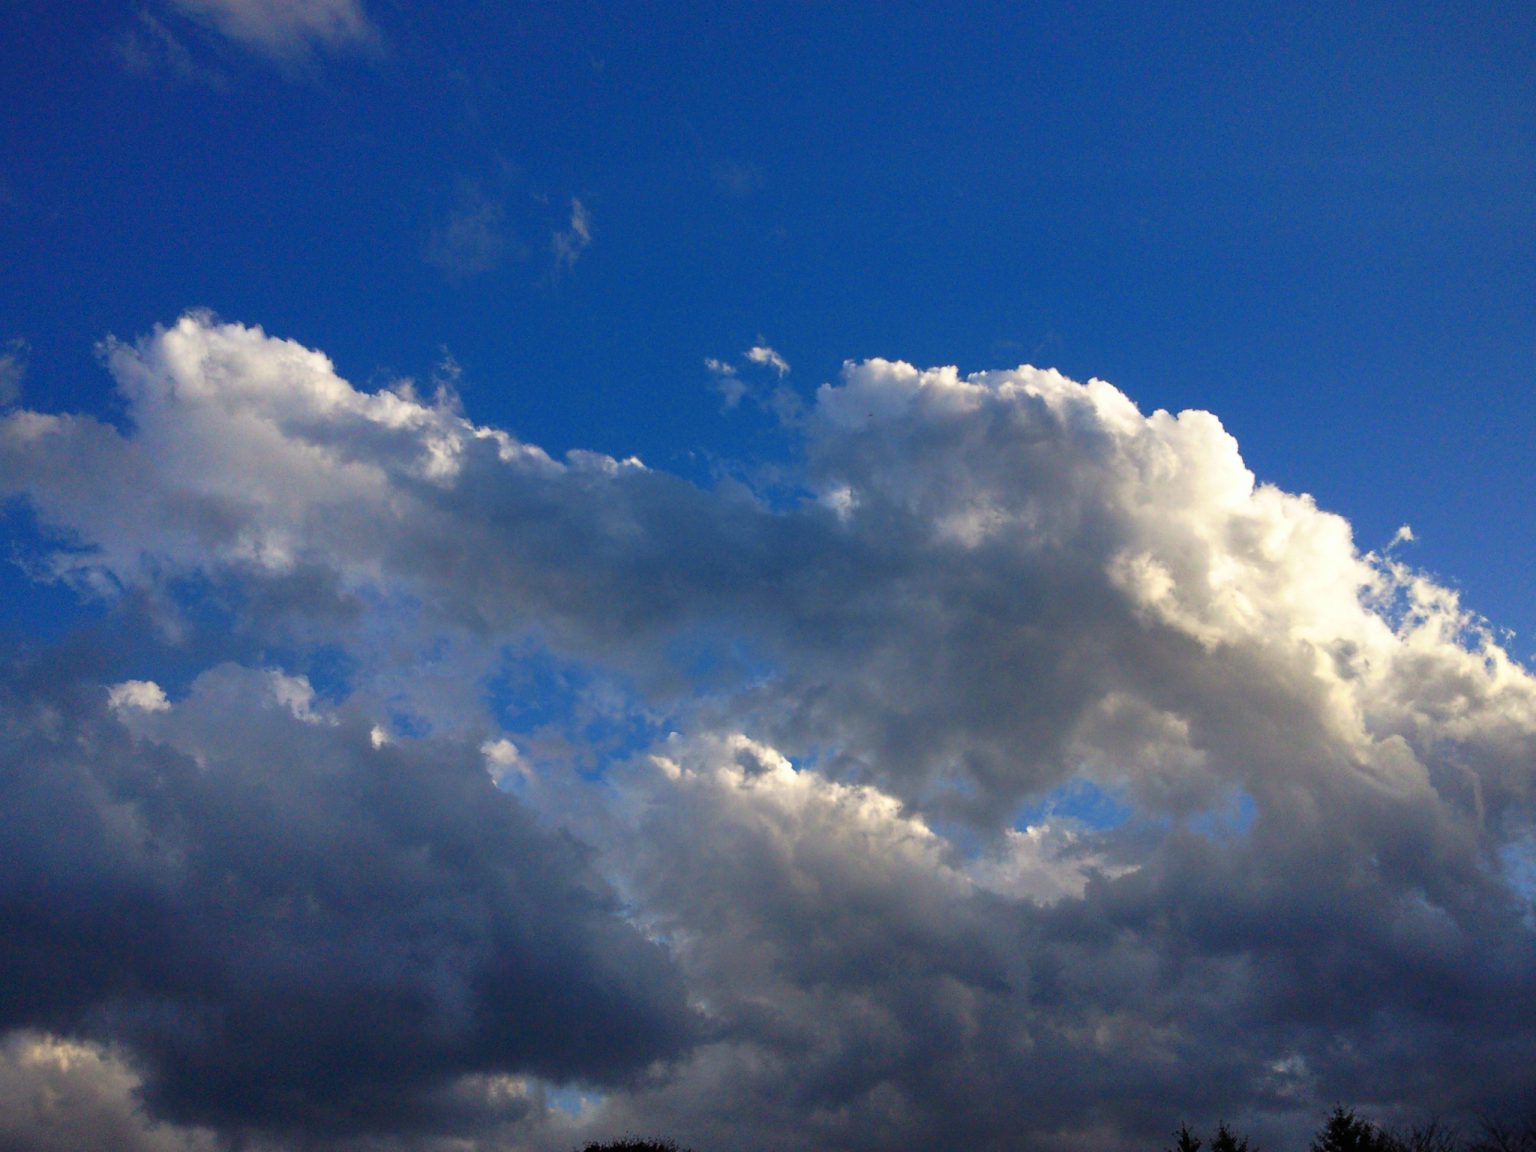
<point>1039,771</point>
<point>292,927</point>
<point>137,695</point>
<point>285,29</point>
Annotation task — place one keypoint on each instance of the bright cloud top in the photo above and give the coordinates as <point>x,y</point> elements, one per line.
<point>1033,770</point>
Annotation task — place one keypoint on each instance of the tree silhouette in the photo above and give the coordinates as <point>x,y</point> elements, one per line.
<point>1227,1140</point>
<point>1498,1136</point>
<point>1431,1136</point>
<point>1343,1131</point>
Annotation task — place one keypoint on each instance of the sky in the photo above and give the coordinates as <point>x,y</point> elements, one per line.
<point>813,577</point>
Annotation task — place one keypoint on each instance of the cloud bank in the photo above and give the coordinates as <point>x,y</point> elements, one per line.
<point>1033,778</point>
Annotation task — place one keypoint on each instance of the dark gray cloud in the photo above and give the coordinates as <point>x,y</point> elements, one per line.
<point>864,855</point>
<point>868,990</point>
<point>291,925</point>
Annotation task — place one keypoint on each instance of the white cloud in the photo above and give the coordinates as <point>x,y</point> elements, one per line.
<point>137,695</point>
<point>295,694</point>
<point>285,29</point>
<point>998,588</point>
<point>762,354</point>
<point>504,761</point>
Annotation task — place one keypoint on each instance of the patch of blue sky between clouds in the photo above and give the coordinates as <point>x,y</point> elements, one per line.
<point>1080,802</point>
<point>1084,805</point>
<point>1518,859</point>
<point>557,709</point>
<point>713,662</point>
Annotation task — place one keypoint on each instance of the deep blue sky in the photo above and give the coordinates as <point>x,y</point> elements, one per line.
<point>1315,222</point>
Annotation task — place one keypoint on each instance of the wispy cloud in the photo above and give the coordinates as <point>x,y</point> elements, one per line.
<point>762,354</point>
<point>727,381</point>
<point>735,178</point>
<point>472,237</point>
<point>150,48</point>
<point>286,29</point>
<point>13,368</point>
<point>568,245</point>
<point>815,764</point>
<point>780,400</point>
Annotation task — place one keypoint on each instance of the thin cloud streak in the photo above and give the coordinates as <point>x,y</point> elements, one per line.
<point>286,29</point>
<point>569,245</point>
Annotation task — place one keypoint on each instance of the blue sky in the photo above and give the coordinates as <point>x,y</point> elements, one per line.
<point>626,526</point>
<point>1314,224</point>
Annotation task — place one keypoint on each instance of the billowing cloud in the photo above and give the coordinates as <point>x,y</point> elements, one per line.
<point>288,925</point>
<point>1036,780</point>
<point>285,29</point>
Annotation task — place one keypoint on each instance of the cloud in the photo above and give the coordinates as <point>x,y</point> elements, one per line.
<point>1033,772</point>
<point>13,369</point>
<point>150,48</point>
<point>735,178</point>
<point>762,354</point>
<point>58,1095</point>
<point>472,238</point>
<point>571,243</point>
<point>726,381</point>
<point>292,927</point>
<point>137,695</point>
<point>781,401</point>
<point>286,29</point>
